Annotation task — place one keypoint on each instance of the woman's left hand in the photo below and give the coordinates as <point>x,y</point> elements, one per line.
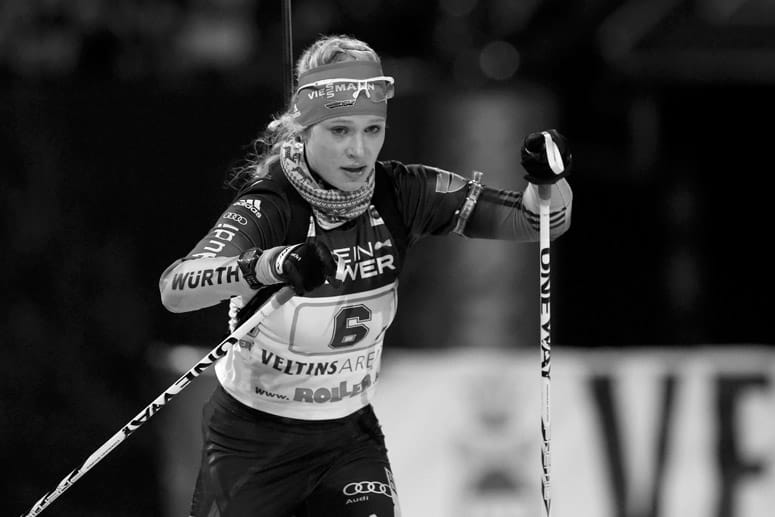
<point>546,157</point>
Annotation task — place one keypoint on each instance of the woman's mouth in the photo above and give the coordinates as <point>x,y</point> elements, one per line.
<point>355,170</point>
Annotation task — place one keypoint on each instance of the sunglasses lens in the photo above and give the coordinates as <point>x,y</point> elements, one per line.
<point>382,90</point>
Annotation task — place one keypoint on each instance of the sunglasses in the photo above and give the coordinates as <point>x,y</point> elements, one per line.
<point>377,89</point>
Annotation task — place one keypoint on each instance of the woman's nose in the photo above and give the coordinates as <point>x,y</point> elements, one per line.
<point>356,147</point>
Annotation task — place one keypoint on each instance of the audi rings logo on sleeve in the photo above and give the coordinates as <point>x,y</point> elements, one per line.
<point>236,217</point>
<point>367,487</point>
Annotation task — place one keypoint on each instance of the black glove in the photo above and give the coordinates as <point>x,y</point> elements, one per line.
<point>306,266</point>
<point>546,161</point>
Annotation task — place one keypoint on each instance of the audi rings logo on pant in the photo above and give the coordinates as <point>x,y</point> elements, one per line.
<point>367,487</point>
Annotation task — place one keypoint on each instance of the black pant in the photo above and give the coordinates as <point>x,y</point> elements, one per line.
<point>255,464</point>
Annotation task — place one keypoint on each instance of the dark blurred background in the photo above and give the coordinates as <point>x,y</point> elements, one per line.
<point>119,121</point>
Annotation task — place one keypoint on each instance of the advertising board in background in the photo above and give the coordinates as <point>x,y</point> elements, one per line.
<point>653,432</point>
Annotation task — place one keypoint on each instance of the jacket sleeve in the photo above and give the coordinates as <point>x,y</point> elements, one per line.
<point>209,273</point>
<point>431,199</point>
<point>509,215</point>
<point>428,198</point>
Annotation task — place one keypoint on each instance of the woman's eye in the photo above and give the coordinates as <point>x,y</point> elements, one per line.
<point>339,130</point>
<point>374,129</point>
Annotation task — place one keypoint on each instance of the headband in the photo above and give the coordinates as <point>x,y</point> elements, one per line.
<point>340,89</point>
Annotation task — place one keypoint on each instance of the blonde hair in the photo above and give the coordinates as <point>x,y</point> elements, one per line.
<point>325,50</point>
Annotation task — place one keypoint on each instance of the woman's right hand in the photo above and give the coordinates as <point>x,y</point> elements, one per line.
<point>306,266</point>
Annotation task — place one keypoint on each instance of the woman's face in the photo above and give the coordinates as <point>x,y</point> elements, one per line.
<point>343,150</point>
